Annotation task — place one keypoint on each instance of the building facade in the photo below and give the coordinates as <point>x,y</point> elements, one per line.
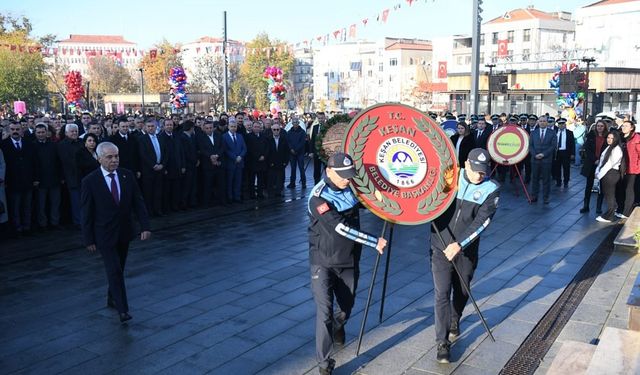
<point>192,52</point>
<point>356,75</point>
<point>76,51</point>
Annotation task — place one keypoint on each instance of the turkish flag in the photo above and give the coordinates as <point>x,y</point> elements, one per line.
<point>503,47</point>
<point>385,15</point>
<point>442,69</point>
<point>352,31</point>
<point>153,53</point>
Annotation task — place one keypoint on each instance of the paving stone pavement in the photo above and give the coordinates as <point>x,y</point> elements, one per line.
<point>227,292</point>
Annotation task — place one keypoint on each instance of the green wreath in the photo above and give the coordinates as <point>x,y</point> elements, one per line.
<point>323,130</point>
<point>363,184</point>
<point>438,195</point>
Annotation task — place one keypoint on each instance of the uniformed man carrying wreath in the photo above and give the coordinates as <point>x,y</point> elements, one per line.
<point>459,228</point>
<point>335,244</point>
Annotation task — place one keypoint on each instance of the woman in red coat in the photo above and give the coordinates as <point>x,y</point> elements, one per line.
<point>631,148</point>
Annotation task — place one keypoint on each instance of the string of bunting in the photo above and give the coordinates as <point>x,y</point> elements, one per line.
<point>339,35</point>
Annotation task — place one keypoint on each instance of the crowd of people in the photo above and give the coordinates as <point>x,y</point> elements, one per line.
<point>608,152</point>
<point>180,162</point>
<point>185,161</point>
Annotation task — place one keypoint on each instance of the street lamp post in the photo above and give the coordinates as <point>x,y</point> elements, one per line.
<point>490,66</point>
<point>587,60</point>
<point>88,102</point>
<point>142,87</point>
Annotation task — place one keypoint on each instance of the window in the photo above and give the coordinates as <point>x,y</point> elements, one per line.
<point>564,37</point>
<point>482,39</point>
<point>460,60</point>
<point>341,75</point>
<point>481,58</point>
<point>494,56</point>
<point>525,54</point>
<point>509,53</point>
<point>526,35</point>
<point>331,75</point>
<point>467,60</point>
<point>494,39</point>
<point>411,61</point>
<point>393,62</point>
<point>510,36</point>
<point>370,62</point>
<point>369,73</point>
<point>381,67</point>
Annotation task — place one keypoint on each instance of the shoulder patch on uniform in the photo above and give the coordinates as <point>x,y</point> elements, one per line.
<point>318,190</point>
<point>323,208</point>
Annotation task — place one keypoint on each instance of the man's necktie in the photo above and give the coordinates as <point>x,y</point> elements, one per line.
<point>233,136</point>
<point>560,141</point>
<point>114,188</point>
<point>18,146</point>
<point>542,136</point>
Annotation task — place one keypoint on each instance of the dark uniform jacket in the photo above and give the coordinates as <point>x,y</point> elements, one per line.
<point>256,147</point>
<point>334,228</point>
<point>21,165</point>
<point>48,172</point>
<point>468,215</point>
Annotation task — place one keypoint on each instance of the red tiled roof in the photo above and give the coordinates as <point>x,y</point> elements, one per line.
<point>97,39</point>
<point>521,15</point>
<point>411,46</point>
<point>607,2</point>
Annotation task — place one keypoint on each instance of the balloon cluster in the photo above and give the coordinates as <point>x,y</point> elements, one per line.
<point>569,99</point>
<point>75,91</point>
<point>177,93</point>
<point>276,90</point>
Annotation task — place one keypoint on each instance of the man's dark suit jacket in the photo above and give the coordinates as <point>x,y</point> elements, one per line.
<point>21,165</point>
<point>206,149</point>
<point>127,149</point>
<point>482,141</point>
<point>147,154</point>
<point>176,158</point>
<point>279,158</point>
<point>257,146</point>
<point>48,170</point>
<point>105,223</point>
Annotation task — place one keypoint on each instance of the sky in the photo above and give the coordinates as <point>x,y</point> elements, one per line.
<point>182,21</point>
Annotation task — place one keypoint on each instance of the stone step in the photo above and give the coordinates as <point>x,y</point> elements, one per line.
<point>572,359</point>
<point>625,240</point>
<point>618,352</point>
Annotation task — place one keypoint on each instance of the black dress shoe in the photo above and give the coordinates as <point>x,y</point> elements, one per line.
<point>443,353</point>
<point>291,186</point>
<point>124,317</point>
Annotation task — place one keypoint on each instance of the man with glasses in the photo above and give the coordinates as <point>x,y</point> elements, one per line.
<point>542,146</point>
<point>278,160</point>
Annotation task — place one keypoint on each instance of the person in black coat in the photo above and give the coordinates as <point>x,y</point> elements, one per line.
<point>67,150</point>
<point>87,157</point>
<point>297,139</point>
<point>20,179</point>
<point>153,156</point>
<point>594,145</point>
<point>190,147</point>
<point>109,196</point>
<point>175,170</point>
<point>278,160</point>
<point>481,134</point>
<point>126,146</point>
<point>211,157</point>
<point>49,177</point>
<point>565,153</point>
<point>257,156</point>
<point>463,142</point>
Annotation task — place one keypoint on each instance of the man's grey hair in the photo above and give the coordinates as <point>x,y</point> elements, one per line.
<point>103,147</point>
<point>70,127</point>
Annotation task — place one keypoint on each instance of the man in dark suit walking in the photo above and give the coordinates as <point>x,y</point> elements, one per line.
<point>152,153</point>
<point>542,146</point>
<point>235,151</point>
<point>564,154</point>
<point>109,195</point>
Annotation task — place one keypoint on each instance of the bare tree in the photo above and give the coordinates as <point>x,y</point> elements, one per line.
<point>209,77</point>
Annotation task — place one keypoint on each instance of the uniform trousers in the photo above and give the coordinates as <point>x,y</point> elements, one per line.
<point>327,283</point>
<point>446,281</point>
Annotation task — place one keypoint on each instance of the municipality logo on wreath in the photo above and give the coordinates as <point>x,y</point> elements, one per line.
<point>402,162</point>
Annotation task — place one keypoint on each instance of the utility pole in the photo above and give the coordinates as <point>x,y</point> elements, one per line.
<point>475,55</point>
<point>588,60</point>
<point>88,102</point>
<point>490,66</point>
<point>226,62</point>
<point>142,88</point>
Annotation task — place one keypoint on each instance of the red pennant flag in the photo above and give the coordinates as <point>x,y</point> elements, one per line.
<point>352,31</point>
<point>385,15</point>
<point>306,42</point>
<point>319,38</point>
<point>336,33</point>
<point>217,49</point>
<point>364,21</point>
<point>64,51</point>
<point>55,51</point>
<point>410,2</point>
<point>442,69</point>
<point>176,51</point>
<point>197,49</point>
<point>503,47</point>
<point>153,53</point>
